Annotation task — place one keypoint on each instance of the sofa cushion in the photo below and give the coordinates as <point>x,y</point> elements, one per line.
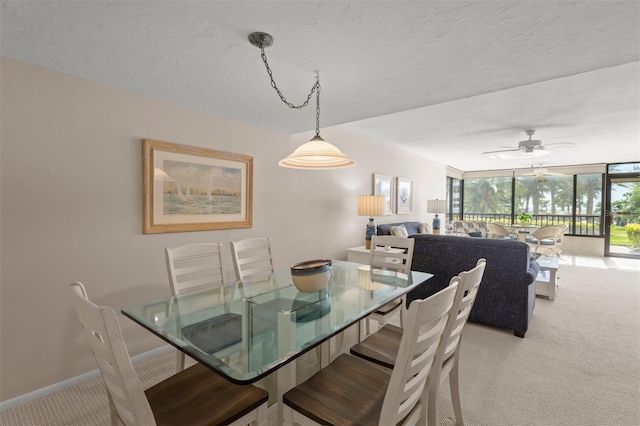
<point>399,231</point>
<point>425,228</point>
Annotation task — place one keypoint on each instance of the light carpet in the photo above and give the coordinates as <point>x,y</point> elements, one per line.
<point>579,363</point>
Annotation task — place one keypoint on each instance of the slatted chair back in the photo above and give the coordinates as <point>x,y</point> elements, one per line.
<point>399,259</point>
<point>426,320</point>
<point>394,259</point>
<point>465,297</point>
<point>194,266</point>
<point>447,357</point>
<point>101,327</point>
<point>252,258</point>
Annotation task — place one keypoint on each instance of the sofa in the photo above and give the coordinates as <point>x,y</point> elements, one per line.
<point>412,227</point>
<point>507,294</point>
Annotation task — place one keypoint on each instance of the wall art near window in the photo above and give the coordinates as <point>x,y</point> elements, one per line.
<point>383,185</point>
<point>404,195</point>
<point>188,188</point>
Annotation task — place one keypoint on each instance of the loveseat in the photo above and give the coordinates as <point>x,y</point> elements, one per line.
<point>506,296</point>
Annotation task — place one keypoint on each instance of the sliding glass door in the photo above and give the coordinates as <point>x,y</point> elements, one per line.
<point>623,208</point>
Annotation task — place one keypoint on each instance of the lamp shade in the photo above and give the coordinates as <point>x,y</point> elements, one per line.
<point>371,205</point>
<point>436,206</point>
<point>317,155</point>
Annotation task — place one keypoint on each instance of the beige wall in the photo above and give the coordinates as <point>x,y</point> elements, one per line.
<point>71,209</point>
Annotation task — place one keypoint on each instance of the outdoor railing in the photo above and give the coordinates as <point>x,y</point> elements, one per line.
<point>584,225</point>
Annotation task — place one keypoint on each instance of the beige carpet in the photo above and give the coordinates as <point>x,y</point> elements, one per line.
<point>579,363</point>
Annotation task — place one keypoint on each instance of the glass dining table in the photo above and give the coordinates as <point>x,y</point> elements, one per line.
<point>251,329</point>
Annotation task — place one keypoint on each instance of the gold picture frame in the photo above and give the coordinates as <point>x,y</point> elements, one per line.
<point>188,188</point>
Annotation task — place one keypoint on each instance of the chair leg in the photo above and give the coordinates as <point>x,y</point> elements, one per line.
<point>433,414</point>
<point>179,362</point>
<point>455,392</point>
<point>115,419</point>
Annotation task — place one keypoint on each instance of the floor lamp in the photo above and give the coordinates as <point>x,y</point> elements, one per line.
<point>371,205</point>
<point>436,206</point>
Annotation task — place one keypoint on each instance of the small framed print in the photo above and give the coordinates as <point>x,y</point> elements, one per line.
<point>404,195</point>
<point>383,185</point>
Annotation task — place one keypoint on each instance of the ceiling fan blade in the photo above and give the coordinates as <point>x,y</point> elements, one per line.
<point>566,144</point>
<point>502,150</point>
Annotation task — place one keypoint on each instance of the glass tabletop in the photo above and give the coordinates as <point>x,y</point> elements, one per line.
<point>251,328</point>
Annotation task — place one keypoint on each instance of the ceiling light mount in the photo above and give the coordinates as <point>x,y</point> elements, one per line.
<point>260,40</point>
<point>315,154</point>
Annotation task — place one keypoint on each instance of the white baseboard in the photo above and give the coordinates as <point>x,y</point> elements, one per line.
<point>10,403</point>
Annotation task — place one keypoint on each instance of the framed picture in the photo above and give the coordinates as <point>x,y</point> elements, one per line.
<point>404,195</point>
<point>187,188</point>
<point>383,185</point>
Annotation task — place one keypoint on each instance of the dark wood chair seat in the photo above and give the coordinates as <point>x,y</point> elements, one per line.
<point>198,396</point>
<point>380,347</point>
<point>347,392</point>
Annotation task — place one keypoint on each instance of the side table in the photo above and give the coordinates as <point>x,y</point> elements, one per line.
<point>547,279</point>
<point>361,254</point>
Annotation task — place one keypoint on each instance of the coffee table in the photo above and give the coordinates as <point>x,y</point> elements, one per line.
<point>547,279</point>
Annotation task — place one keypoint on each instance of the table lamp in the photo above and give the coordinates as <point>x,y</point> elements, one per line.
<point>370,205</point>
<point>436,206</point>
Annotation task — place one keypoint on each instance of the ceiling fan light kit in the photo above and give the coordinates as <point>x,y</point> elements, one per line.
<point>528,148</point>
<point>315,154</point>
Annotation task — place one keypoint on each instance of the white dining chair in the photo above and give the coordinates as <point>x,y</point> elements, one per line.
<point>194,267</point>
<point>353,391</point>
<point>252,258</point>
<point>382,346</point>
<point>390,253</point>
<point>193,396</point>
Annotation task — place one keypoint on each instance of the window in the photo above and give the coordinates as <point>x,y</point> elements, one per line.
<point>487,199</point>
<point>571,199</point>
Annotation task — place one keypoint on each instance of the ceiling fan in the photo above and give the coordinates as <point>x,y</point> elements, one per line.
<point>541,174</point>
<point>532,147</point>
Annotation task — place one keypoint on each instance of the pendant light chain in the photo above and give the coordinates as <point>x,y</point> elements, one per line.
<point>317,87</point>
<point>273,84</point>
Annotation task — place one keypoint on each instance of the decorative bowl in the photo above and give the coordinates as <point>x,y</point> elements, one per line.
<point>311,275</point>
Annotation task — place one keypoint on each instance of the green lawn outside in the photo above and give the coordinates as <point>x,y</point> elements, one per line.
<point>619,237</point>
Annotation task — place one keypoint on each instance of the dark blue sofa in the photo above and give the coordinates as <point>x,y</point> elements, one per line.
<point>507,293</point>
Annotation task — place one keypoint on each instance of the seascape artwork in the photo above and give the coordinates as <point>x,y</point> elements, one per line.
<point>198,189</point>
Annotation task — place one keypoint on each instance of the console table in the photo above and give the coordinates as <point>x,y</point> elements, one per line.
<point>547,279</point>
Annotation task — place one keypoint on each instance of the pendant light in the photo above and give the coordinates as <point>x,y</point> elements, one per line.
<point>317,154</point>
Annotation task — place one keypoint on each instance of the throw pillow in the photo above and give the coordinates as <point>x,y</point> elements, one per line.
<point>477,234</point>
<point>424,228</point>
<point>399,231</point>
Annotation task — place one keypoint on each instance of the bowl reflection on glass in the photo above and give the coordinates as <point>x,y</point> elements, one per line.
<point>311,275</point>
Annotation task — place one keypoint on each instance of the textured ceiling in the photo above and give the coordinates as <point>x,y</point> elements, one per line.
<point>447,79</point>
